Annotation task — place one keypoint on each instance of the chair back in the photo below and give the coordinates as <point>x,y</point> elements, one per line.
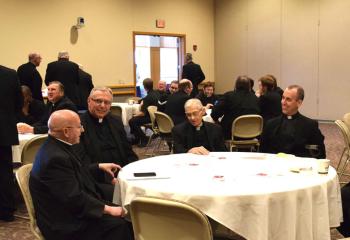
<point>346,119</point>
<point>159,219</point>
<point>22,176</point>
<point>116,110</point>
<point>247,126</point>
<point>343,161</point>
<point>31,147</point>
<point>164,122</point>
<point>151,110</point>
<point>133,99</point>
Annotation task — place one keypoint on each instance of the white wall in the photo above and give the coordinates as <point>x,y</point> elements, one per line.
<point>104,46</point>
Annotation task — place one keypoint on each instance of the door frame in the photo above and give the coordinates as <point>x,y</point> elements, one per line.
<point>182,48</point>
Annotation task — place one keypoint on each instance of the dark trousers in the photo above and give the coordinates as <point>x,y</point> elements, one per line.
<point>135,124</point>
<point>7,185</point>
<point>344,228</point>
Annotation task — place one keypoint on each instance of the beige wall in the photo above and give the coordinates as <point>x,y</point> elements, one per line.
<point>104,45</point>
<point>300,42</point>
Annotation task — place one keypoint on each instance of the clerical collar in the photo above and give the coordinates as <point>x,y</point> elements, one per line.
<point>96,120</point>
<point>198,128</point>
<point>290,117</point>
<point>64,142</point>
<point>100,120</point>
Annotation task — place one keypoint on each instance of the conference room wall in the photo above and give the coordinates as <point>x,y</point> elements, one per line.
<point>104,46</point>
<point>300,42</point>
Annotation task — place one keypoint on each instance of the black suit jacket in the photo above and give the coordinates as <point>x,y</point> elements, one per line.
<point>183,136</point>
<point>270,105</point>
<point>232,105</point>
<point>194,73</point>
<point>67,73</point>
<point>174,107</point>
<point>306,133</point>
<point>85,87</point>
<point>63,103</point>
<point>11,101</point>
<point>36,112</point>
<point>65,195</point>
<point>91,153</point>
<point>28,75</point>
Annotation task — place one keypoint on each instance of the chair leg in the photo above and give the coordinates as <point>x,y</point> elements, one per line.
<point>341,173</point>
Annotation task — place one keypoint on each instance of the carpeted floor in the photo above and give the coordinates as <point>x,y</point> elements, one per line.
<point>19,229</point>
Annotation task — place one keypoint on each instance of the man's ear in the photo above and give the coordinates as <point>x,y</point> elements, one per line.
<point>299,103</point>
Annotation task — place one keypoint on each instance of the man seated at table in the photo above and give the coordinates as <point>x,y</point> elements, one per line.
<point>56,101</point>
<point>143,117</point>
<point>174,86</point>
<point>175,104</point>
<point>104,139</point>
<point>207,96</point>
<point>33,110</point>
<point>68,202</point>
<point>292,132</point>
<point>195,135</point>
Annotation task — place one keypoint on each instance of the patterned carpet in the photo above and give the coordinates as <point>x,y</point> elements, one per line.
<point>19,229</point>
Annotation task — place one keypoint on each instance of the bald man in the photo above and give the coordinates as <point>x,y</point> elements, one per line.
<point>68,203</point>
<point>28,75</point>
<point>196,136</point>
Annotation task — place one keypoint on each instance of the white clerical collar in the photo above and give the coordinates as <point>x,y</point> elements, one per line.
<point>289,117</point>
<point>64,142</point>
<point>198,128</point>
<point>100,120</point>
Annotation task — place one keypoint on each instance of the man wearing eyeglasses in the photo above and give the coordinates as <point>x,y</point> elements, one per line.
<point>56,101</point>
<point>195,135</point>
<point>68,203</point>
<point>104,139</point>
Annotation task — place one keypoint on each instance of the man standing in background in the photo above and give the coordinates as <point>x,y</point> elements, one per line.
<point>192,72</point>
<point>85,87</point>
<point>28,75</point>
<point>67,73</point>
<point>10,105</point>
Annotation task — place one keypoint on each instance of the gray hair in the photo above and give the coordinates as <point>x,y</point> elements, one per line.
<point>193,102</point>
<point>63,54</point>
<point>101,89</point>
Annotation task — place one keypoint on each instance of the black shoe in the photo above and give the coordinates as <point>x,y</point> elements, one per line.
<point>135,141</point>
<point>144,142</point>
<point>7,218</point>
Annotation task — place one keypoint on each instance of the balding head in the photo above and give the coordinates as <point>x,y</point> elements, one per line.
<point>161,86</point>
<point>185,85</point>
<point>34,58</point>
<point>65,125</point>
<point>194,111</point>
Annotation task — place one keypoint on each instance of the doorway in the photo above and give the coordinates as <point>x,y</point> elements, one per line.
<point>158,56</point>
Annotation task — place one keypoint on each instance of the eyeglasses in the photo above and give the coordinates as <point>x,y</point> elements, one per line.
<point>100,101</point>
<point>81,127</point>
<point>194,114</point>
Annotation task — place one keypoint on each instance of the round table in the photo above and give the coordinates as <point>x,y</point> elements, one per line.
<point>253,194</point>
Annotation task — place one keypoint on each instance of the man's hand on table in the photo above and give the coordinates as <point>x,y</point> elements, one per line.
<point>109,168</point>
<point>199,150</point>
<point>24,128</point>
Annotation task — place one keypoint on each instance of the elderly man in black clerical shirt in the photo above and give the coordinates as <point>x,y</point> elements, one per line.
<point>292,132</point>
<point>68,203</point>
<point>104,139</point>
<point>56,101</point>
<point>28,75</point>
<point>195,135</point>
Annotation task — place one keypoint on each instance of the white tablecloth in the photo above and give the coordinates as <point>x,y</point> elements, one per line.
<point>128,110</point>
<point>254,195</point>
<point>207,117</point>
<point>17,149</point>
